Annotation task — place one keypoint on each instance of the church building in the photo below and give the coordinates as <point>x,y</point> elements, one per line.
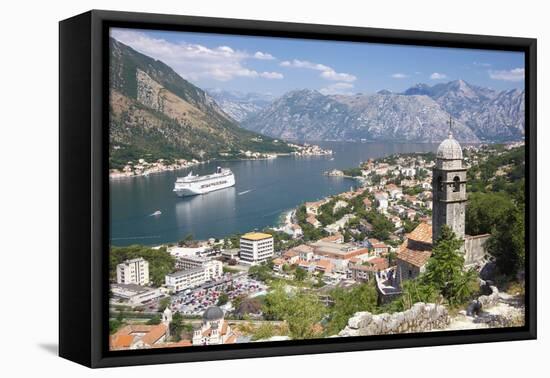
<point>449,208</point>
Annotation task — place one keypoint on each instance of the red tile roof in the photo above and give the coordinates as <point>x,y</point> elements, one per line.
<point>120,341</point>
<point>415,258</point>
<point>422,233</point>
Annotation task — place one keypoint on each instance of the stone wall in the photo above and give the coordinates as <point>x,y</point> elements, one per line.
<point>420,317</point>
<point>474,249</point>
<point>484,301</point>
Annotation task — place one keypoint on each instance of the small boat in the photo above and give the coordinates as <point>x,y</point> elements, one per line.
<point>156,213</point>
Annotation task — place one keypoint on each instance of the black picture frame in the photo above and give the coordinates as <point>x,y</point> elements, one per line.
<point>84,187</point>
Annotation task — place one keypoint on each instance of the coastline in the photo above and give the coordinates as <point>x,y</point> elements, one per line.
<point>159,167</point>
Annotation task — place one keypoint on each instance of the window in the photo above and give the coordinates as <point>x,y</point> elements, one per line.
<point>439,183</point>
<point>456,184</point>
<point>410,273</point>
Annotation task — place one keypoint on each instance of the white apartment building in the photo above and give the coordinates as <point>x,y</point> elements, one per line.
<point>135,271</point>
<point>255,247</point>
<point>195,276</point>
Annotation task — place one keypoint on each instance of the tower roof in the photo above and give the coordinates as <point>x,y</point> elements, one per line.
<point>213,313</point>
<point>449,149</point>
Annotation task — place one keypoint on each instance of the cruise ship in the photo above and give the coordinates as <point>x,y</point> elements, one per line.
<point>192,185</point>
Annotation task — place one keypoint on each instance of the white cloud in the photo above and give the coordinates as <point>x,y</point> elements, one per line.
<point>515,74</point>
<point>399,75</point>
<point>337,88</point>
<point>263,56</point>
<point>327,72</point>
<point>438,76</point>
<point>195,61</point>
<point>272,75</point>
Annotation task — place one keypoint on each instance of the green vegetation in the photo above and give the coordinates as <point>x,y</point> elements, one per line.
<point>163,303</point>
<point>154,320</point>
<point>310,233</point>
<point>160,261</point>
<point>353,172</point>
<point>265,331</point>
<point>223,299</point>
<point>444,277</point>
<point>262,272</point>
<point>300,274</point>
<point>301,310</point>
<point>347,303</point>
<point>497,206</point>
<point>140,131</point>
<point>117,323</point>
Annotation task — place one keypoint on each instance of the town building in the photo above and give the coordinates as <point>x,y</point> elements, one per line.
<point>313,221</point>
<point>135,271</point>
<point>278,264</point>
<point>255,248</point>
<point>214,329</point>
<point>213,268</point>
<point>338,251</point>
<point>365,271</point>
<point>193,277</point>
<point>291,256</point>
<point>133,295</point>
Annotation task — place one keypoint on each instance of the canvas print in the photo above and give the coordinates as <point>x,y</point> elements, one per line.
<point>274,189</point>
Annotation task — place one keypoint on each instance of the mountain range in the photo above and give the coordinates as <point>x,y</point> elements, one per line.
<point>419,114</point>
<point>155,113</point>
<point>240,105</point>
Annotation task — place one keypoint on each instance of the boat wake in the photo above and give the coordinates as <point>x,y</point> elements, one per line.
<point>246,191</point>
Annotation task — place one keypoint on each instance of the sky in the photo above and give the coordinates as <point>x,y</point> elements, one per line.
<point>278,65</point>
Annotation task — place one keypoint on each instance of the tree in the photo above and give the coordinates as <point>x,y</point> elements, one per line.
<point>161,262</point>
<point>300,274</point>
<point>176,326</point>
<point>303,313</point>
<point>265,331</point>
<point>485,210</point>
<point>445,270</point>
<point>223,299</point>
<point>163,303</point>
<point>507,243</point>
<point>348,302</point>
<point>154,320</point>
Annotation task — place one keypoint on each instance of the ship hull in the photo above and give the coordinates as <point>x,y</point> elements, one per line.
<point>199,188</point>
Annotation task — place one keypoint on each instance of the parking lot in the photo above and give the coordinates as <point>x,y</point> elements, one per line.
<point>195,301</point>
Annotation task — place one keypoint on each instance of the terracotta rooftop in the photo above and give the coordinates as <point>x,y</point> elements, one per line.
<point>325,264</point>
<point>154,334</point>
<point>290,253</point>
<point>121,341</point>
<point>331,238</point>
<point>278,261</point>
<point>302,248</point>
<point>413,257</point>
<point>231,339</point>
<point>422,233</point>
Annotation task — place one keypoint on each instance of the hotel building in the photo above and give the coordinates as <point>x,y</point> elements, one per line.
<point>255,247</point>
<point>135,271</point>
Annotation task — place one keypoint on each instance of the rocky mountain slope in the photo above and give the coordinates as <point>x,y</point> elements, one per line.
<point>155,113</point>
<point>419,114</point>
<point>240,105</point>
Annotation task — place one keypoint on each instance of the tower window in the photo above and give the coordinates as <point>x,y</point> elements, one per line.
<point>439,183</point>
<point>456,184</point>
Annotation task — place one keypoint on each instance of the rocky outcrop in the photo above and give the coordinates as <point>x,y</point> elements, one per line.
<point>421,317</point>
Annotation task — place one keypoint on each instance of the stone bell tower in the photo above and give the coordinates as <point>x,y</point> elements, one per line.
<point>449,189</point>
